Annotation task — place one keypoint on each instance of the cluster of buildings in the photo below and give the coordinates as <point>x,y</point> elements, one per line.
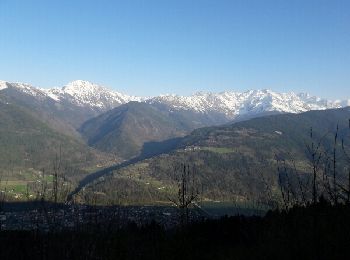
<point>50,217</point>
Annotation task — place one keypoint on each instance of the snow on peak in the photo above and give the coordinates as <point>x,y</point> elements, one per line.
<point>343,103</point>
<point>25,88</point>
<point>231,104</point>
<point>80,87</point>
<point>3,84</point>
<point>85,93</point>
<point>250,102</point>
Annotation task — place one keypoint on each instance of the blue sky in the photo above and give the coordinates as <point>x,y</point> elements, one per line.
<point>173,46</point>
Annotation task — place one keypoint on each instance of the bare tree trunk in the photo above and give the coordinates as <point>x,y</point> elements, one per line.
<point>335,166</point>
<point>187,192</point>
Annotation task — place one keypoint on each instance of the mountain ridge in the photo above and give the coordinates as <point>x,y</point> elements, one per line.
<point>125,130</point>
<point>229,103</point>
<point>239,162</point>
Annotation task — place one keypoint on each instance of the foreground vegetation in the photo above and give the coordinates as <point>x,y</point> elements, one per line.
<point>320,231</point>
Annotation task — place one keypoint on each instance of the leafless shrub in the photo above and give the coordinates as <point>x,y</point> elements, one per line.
<point>187,193</point>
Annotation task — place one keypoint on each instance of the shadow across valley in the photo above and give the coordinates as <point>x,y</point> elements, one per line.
<point>149,150</point>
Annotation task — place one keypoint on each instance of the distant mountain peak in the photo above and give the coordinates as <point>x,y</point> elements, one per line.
<point>3,84</point>
<point>250,102</point>
<point>229,103</point>
<point>86,93</point>
<point>82,86</point>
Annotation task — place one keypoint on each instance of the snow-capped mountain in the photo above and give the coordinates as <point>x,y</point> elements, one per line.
<point>84,93</point>
<point>231,104</point>
<point>3,85</point>
<point>234,104</point>
<point>25,88</point>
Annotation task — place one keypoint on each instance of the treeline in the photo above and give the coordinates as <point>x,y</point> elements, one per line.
<point>320,231</point>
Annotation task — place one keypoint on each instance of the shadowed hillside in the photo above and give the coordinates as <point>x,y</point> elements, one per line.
<point>124,130</point>
<point>239,162</point>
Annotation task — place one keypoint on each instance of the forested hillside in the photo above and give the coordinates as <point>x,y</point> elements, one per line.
<point>244,161</point>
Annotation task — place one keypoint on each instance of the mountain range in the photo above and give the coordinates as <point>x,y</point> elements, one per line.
<point>232,104</point>
<point>98,127</point>
<point>122,124</point>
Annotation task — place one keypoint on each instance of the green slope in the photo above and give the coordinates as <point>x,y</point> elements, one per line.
<point>61,116</point>
<point>238,162</point>
<point>27,143</point>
